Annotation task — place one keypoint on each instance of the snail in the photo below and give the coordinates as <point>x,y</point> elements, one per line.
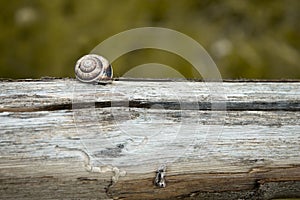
<point>93,68</point>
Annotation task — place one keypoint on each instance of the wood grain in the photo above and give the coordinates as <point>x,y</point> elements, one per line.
<point>61,139</point>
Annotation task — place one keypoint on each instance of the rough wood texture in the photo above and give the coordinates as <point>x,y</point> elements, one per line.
<point>61,139</point>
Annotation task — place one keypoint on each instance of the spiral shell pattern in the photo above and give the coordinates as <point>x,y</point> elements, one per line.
<point>93,68</point>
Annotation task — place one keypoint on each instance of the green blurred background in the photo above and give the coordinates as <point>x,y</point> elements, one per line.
<point>246,39</point>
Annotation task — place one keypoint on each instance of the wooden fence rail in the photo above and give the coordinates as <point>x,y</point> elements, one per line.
<point>62,139</point>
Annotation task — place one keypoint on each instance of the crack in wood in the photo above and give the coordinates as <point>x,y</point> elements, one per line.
<point>293,106</point>
<point>97,169</point>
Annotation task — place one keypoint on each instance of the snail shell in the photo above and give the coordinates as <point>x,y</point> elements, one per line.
<point>93,68</point>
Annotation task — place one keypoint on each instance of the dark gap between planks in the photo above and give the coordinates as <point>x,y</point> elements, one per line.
<point>292,106</point>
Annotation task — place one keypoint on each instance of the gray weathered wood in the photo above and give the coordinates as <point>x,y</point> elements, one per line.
<point>63,139</point>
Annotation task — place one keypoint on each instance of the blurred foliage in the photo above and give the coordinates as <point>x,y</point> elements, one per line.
<point>246,39</point>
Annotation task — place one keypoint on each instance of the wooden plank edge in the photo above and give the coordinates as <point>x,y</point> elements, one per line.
<point>256,184</point>
<point>154,80</point>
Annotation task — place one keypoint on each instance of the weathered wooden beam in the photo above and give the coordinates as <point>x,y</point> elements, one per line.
<point>63,139</point>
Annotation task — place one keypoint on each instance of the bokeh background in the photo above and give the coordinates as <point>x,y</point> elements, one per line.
<point>246,39</point>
